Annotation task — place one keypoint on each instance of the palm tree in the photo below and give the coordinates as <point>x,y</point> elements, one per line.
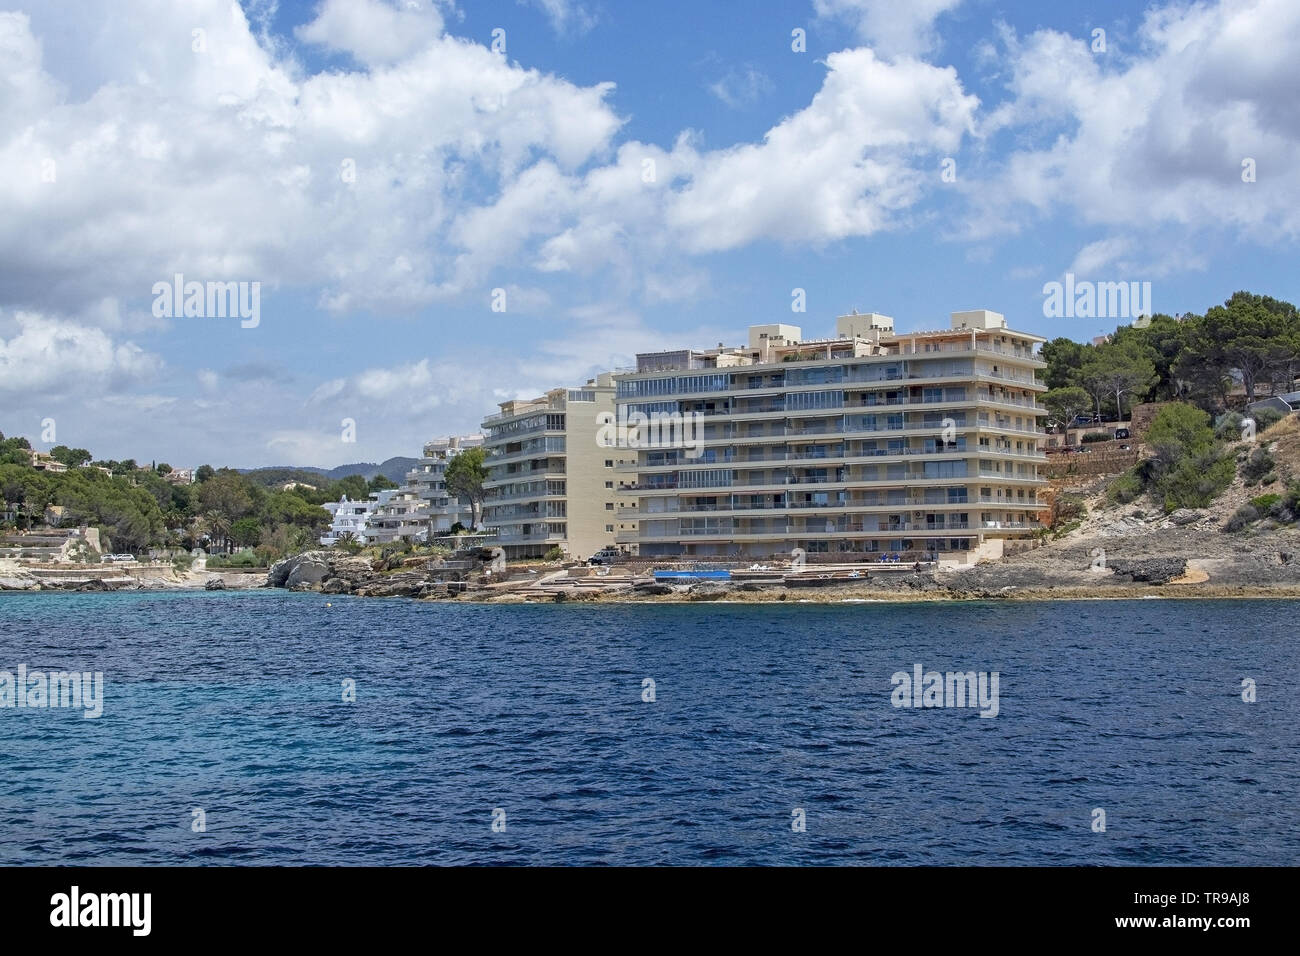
<point>217,526</point>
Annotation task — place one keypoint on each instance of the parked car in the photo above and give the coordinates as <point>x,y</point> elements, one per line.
<point>605,556</point>
<point>1121,433</point>
<point>116,558</point>
<point>1082,421</point>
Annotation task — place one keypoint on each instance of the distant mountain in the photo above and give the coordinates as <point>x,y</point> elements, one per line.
<point>394,469</point>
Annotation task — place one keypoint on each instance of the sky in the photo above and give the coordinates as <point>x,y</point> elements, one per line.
<point>446,205</point>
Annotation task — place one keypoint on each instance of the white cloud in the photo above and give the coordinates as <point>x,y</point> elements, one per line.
<point>740,88</point>
<point>47,355</point>
<point>1157,140</point>
<point>374,32</point>
<point>229,164</point>
<point>893,28</point>
<point>846,165</point>
<point>566,16</point>
<point>1098,255</point>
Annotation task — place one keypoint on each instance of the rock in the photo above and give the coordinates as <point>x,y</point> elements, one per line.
<point>1186,516</point>
<point>310,566</point>
<point>1150,570</point>
<point>334,586</point>
<point>708,587</point>
<point>214,584</point>
<point>310,570</point>
<point>655,589</point>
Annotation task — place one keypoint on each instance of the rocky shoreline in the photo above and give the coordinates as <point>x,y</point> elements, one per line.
<point>1119,555</point>
<point>16,576</point>
<point>1177,561</point>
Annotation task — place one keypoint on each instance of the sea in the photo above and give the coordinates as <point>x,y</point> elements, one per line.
<point>266,727</point>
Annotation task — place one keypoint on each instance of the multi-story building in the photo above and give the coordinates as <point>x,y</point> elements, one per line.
<point>923,443</point>
<point>347,520</point>
<point>550,478</point>
<point>422,508</point>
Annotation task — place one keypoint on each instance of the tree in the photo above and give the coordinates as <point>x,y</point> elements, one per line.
<point>381,483</point>
<point>354,486</point>
<point>1066,403</point>
<point>1126,369</point>
<point>1251,334</point>
<point>1092,378</point>
<point>217,527</point>
<point>246,532</point>
<point>1064,358</point>
<point>72,457</point>
<point>465,476</point>
<point>1162,341</point>
<point>203,473</point>
<point>225,498</point>
<point>1178,431</point>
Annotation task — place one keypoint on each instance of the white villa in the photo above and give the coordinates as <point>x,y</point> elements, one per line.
<point>348,518</point>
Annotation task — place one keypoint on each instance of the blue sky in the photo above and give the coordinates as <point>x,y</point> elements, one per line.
<point>134,147</point>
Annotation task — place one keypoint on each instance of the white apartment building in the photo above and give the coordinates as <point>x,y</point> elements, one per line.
<point>551,483</point>
<point>422,508</point>
<point>924,444</point>
<point>347,519</point>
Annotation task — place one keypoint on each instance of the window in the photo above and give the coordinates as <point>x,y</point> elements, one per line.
<point>609,527</point>
<point>609,484</point>
<point>810,400</point>
<point>609,462</point>
<point>609,506</point>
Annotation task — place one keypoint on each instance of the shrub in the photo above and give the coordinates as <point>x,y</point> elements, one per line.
<point>1242,517</point>
<point>240,559</point>
<point>1127,487</point>
<point>1091,437</point>
<point>1067,508</point>
<point>1263,503</point>
<point>1196,480</point>
<point>1258,464</point>
<point>1227,427</point>
<point>394,549</point>
<point>555,554</point>
<point>1265,418</point>
<point>1289,507</point>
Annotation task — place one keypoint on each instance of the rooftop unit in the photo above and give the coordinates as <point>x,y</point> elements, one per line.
<point>978,319</point>
<point>864,325</point>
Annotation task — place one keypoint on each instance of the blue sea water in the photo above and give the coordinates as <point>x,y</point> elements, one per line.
<point>232,703</point>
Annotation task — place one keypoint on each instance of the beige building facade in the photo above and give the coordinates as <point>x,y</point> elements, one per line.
<point>920,445</point>
<point>551,478</point>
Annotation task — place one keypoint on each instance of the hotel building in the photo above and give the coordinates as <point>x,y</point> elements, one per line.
<point>922,443</point>
<point>551,483</point>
